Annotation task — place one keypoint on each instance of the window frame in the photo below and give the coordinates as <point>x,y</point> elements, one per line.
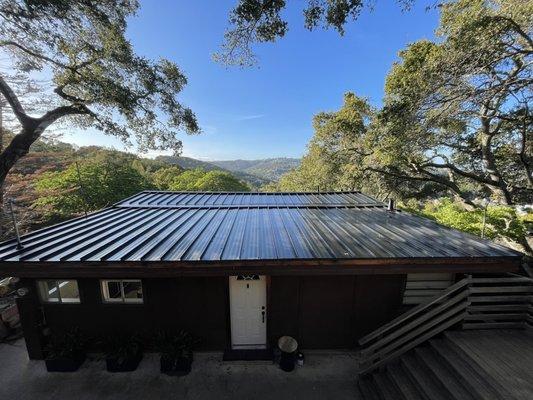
<point>107,299</point>
<point>42,285</point>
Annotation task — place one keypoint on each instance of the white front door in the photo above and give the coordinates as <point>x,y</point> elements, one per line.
<point>247,294</point>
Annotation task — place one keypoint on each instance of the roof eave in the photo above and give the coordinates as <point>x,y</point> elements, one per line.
<point>163,269</point>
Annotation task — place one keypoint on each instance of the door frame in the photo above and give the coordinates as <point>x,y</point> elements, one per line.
<point>229,344</point>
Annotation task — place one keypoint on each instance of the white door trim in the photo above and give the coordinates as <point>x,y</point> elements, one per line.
<point>248,313</point>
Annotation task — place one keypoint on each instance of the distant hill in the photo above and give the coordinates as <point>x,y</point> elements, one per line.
<point>269,169</point>
<point>256,181</point>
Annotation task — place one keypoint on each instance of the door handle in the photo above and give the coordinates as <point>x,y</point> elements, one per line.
<point>263,314</point>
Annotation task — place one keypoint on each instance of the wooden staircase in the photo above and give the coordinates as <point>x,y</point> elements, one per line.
<point>458,366</point>
<point>471,303</point>
<point>417,356</point>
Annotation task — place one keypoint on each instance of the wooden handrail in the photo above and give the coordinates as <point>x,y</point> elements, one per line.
<point>416,310</point>
<point>415,323</point>
<point>467,301</point>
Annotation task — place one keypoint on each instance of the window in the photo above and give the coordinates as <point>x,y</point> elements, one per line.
<point>122,291</point>
<point>59,291</point>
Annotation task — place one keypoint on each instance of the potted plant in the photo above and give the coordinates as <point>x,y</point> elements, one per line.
<point>176,351</point>
<point>123,352</point>
<point>65,352</point>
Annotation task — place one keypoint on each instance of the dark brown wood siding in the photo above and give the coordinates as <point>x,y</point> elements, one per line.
<point>196,304</point>
<point>332,311</point>
<point>319,311</point>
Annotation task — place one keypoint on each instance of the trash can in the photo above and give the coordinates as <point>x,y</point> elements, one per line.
<point>288,346</point>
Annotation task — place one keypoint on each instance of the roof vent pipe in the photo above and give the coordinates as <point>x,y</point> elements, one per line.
<point>390,207</point>
<point>14,220</point>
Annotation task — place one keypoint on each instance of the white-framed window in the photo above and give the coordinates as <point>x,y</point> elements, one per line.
<point>122,290</point>
<point>59,291</point>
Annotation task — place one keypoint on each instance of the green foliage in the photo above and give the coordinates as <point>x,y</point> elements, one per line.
<point>97,79</point>
<point>455,122</point>
<point>187,180</point>
<point>200,180</point>
<point>164,177</point>
<point>501,222</point>
<point>175,344</point>
<point>69,344</point>
<point>88,186</point>
<point>457,110</point>
<point>258,21</point>
<point>220,181</point>
<point>121,346</point>
<point>106,177</point>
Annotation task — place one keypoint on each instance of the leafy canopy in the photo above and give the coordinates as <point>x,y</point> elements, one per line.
<point>88,186</point>
<point>258,21</point>
<point>501,222</point>
<point>454,121</point>
<point>97,80</point>
<point>458,111</point>
<point>200,180</point>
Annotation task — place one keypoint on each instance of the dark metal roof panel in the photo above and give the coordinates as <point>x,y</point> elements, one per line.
<point>161,226</point>
<point>154,198</point>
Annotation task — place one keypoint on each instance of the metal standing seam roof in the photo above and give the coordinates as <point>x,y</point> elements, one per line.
<point>223,226</point>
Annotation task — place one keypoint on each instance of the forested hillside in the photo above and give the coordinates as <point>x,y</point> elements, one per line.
<point>269,169</point>
<point>253,179</point>
<point>57,181</point>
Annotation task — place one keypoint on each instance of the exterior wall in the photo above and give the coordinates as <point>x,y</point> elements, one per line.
<point>319,311</point>
<point>31,320</point>
<point>196,304</point>
<point>332,311</point>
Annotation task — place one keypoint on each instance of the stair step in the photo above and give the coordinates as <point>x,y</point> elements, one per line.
<point>442,373</point>
<point>494,325</point>
<point>480,365</point>
<point>403,383</point>
<point>385,387</point>
<point>431,388</point>
<point>368,388</point>
<point>478,383</point>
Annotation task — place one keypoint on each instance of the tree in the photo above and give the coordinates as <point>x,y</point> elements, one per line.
<point>164,177</point>
<point>97,78</point>
<point>88,186</point>
<point>186,181</point>
<point>502,223</point>
<point>336,154</point>
<point>220,181</point>
<point>258,21</point>
<point>459,117</point>
<point>200,180</point>
<point>454,120</point>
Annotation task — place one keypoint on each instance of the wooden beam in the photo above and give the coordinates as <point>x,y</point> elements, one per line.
<point>145,269</point>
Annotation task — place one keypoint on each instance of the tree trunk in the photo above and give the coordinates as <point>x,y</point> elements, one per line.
<point>489,162</point>
<point>19,147</point>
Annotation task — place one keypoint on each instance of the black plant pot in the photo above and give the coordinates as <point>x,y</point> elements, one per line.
<point>114,364</point>
<point>176,366</point>
<point>64,364</point>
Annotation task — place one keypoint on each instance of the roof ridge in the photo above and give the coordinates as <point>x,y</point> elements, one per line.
<point>249,206</point>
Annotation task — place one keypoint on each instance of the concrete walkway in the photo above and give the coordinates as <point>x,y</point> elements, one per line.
<point>324,376</point>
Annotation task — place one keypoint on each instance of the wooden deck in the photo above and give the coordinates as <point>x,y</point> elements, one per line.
<point>507,355</point>
<point>466,365</point>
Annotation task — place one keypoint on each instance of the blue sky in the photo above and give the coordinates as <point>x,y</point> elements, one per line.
<point>267,111</point>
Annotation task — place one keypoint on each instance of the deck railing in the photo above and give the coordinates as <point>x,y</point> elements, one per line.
<point>475,303</point>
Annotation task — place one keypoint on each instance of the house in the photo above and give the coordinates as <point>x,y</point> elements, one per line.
<point>240,269</point>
